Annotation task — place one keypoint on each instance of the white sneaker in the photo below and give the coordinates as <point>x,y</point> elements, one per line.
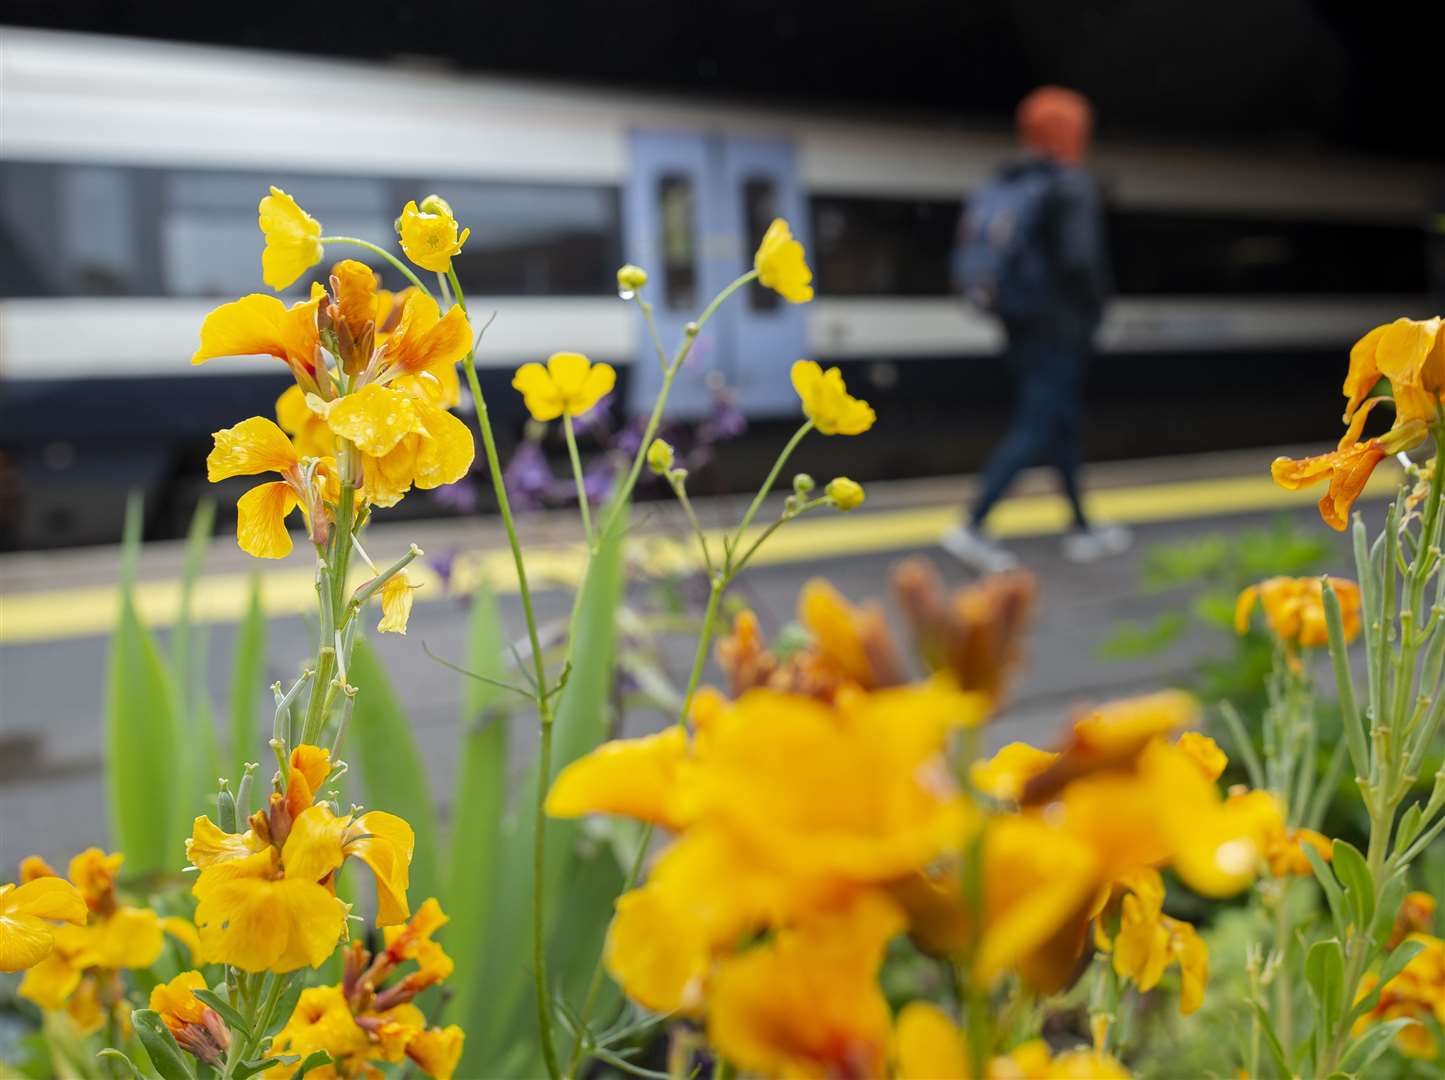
<point>1097,542</point>
<point>976,551</point>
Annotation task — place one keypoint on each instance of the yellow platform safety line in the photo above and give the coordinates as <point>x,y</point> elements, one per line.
<point>56,614</point>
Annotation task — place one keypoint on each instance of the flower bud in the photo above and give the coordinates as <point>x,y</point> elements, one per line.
<point>631,278</point>
<point>845,493</point>
<point>803,483</point>
<point>659,456</point>
<point>435,204</point>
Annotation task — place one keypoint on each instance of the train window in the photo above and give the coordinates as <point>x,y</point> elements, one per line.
<point>760,207</point>
<point>102,230</point>
<point>532,239</point>
<point>677,221</point>
<point>883,247</point>
<point>1171,252</point>
<point>69,230</point>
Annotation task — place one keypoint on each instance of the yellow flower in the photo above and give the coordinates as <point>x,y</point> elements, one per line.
<point>846,494</point>
<point>1285,850</point>
<point>266,902</point>
<point>570,383</point>
<point>176,1001</point>
<point>1205,752</point>
<point>26,933</point>
<point>1149,941</point>
<point>807,1002</point>
<point>257,446</point>
<point>631,278</point>
<point>116,936</point>
<point>1004,775</point>
<point>1411,354</point>
<point>827,403</point>
<point>396,598</point>
<point>1295,609</point>
<point>293,239</point>
<point>928,1045</point>
<point>260,325</point>
<point>309,433</point>
<point>659,456</point>
<point>429,235</point>
<point>781,265</point>
<point>436,1051</point>
<point>638,778</point>
<point>1417,993</point>
<point>322,1020</point>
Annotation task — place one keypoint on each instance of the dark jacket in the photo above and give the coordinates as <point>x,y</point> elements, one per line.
<point>1080,279</point>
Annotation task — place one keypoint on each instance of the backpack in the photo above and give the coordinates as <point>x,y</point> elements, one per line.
<point>1001,259</point>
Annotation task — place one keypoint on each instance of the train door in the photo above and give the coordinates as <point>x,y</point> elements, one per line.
<point>696,206</point>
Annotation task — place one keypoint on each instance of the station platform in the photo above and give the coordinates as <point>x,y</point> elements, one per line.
<point>57,608</point>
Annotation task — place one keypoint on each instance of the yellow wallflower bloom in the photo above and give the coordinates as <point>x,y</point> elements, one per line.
<point>293,239</point>
<point>26,915</point>
<point>781,265</point>
<point>1004,775</point>
<point>807,1002</point>
<point>1285,850</point>
<point>827,403</point>
<point>570,383</point>
<point>396,600</point>
<point>429,235</point>
<point>322,1020</point>
<point>257,446</point>
<point>116,936</point>
<point>309,433</point>
<point>928,1045</point>
<point>846,494</point>
<point>1295,609</point>
<point>436,1051</point>
<point>1417,993</point>
<point>1411,354</point>
<point>637,778</point>
<point>197,1028</point>
<point>1205,752</point>
<point>1149,941</point>
<point>260,325</point>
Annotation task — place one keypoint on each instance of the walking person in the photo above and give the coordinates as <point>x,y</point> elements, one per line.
<point>1031,252</point>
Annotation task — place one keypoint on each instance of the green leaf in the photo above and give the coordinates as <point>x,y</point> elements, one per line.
<point>1134,640</point>
<point>251,1068</point>
<point>393,777</point>
<point>1359,884</point>
<point>1373,1042</point>
<point>140,731</point>
<point>313,1060</point>
<point>116,1055</point>
<point>1335,898</point>
<point>1271,1042</point>
<point>234,1020</point>
<point>580,725</point>
<point>160,1045</point>
<point>248,677</point>
<point>1392,895</point>
<point>1325,974</point>
<point>481,802</point>
<point>198,763</point>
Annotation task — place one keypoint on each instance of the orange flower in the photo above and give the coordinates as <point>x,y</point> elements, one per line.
<point>1295,609</point>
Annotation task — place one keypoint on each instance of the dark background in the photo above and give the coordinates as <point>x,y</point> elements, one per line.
<point>1365,76</point>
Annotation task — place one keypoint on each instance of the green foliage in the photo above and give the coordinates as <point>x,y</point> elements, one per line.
<point>248,676</point>
<point>392,774</point>
<point>168,1060</point>
<point>580,725</point>
<point>141,730</point>
<point>481,800</point>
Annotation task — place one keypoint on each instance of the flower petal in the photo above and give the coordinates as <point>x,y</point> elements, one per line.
<point>637,778</point>
<point>293,242</point>
<point>539,391</point>
<point>375,418</point>
<point>387,849</point>
<point>253,446</point>
<point>261,520</point>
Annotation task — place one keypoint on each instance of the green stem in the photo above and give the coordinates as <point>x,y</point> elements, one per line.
<point>680,490</point>
<point>544,707</point>
<point>768,483</point>
<point>1284,988</point>
<point>652,332</point>
<point>406,271</point>
<point>577,476</point>
<point>655,418</point>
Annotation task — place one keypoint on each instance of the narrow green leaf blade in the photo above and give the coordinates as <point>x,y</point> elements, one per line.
<point>1271,1042</point>
<point>392,775</point>
<point>1325,975</point>
<point>160,1046</point>
<point>234,1020</point>
<point>313,1060</point>
<point>1373,1042</point>
<point>1333,896</point>
<point>140,732</point>
<point>116,1055</point>
<point>248,677</point>
<point>478,809</point>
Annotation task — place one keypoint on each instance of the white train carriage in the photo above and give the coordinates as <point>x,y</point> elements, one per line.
<point>130,173</point>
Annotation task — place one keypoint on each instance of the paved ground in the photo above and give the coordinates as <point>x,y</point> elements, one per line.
<point>53,650</point>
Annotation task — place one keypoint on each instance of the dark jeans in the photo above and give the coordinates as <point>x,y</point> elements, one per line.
<point>1047,423</point>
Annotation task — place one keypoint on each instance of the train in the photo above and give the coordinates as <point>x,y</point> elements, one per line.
<point>130,172</point>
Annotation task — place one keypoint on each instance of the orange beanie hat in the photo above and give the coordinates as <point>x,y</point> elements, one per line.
<point>1056,122</point>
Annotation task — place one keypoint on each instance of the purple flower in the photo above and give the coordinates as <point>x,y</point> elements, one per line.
<point>460,497</point>
<point>527,476</point>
